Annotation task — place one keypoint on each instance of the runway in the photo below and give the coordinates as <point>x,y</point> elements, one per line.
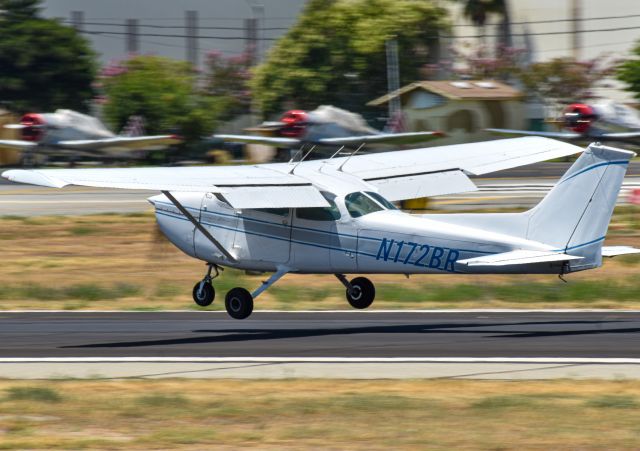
<point>346,344</point>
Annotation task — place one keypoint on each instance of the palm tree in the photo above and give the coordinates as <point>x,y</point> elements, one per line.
<point>478,11</point>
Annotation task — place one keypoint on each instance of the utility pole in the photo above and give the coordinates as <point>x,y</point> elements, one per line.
<point>77,20</point>
<point>576,38</point>
<point>191,22</point>
<point>251,39</point>
<point>133,43</point>
<point>257,11</point>
<point>393,77</point>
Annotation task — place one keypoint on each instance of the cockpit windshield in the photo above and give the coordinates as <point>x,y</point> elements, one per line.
<point>360,204</point>
<point>381,200</point>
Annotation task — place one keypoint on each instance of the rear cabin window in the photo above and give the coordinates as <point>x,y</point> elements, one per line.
<point>359,204</point>
<point>274,211</point>
<point>330,213</point>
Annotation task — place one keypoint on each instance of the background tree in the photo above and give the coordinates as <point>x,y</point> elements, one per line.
<point>44,65</point>
<point>164,92</point>
<point>564,80</point>
<point>227,78</point>
<point>335,53</point>
<point>629,72</point>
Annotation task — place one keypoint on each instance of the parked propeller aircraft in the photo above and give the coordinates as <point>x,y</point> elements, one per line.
<point>326,125</point>
<point>605,121</point>
<point>68,132</point>
<point>335,216</point>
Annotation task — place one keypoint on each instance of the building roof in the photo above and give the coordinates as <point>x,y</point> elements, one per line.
<point>457,90</point>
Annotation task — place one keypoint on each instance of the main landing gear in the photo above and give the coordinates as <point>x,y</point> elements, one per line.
<point>360,291</point>
<point>238,302</point>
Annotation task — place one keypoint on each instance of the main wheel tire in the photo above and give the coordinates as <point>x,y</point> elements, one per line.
<point>239,303</point>
<point>363,293</point>
<point>205,296</point>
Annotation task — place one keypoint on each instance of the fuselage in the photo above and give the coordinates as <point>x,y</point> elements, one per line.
<point>317,240</point>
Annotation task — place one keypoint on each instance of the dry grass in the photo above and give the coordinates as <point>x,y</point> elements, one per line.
<point>315,414</point>
<point>123,262</point>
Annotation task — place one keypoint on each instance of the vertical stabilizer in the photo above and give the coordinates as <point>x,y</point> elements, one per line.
<point>575,215</point>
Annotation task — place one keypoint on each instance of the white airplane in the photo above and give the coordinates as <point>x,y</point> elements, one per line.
<point>326,126</point>
<point>335,216</point>
<point>606,121</point>
<point>68,132</point>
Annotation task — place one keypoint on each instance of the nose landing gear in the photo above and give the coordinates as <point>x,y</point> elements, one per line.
<point>203,291</point>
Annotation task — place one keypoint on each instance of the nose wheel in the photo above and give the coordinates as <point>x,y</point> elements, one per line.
<point>203,291</point>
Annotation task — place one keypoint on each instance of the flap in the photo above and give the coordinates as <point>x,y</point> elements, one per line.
<point>274,197</point>
<point>519,257</point>
<point>413,186</point>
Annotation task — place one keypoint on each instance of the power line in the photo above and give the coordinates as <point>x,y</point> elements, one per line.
<point>547,33</point>
<point>124,33</point>
<point>577,19</point>
<point>200,27</point>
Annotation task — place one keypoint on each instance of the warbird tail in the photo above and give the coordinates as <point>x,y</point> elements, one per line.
<point>575,214</point>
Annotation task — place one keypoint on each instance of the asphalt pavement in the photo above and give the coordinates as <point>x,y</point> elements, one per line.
<point>322,334</point>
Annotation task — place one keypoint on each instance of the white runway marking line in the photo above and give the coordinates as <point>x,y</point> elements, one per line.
<point>529,360</point>
<point>351,311</point>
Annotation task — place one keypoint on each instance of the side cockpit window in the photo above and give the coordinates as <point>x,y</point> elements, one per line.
<point>359,204</point>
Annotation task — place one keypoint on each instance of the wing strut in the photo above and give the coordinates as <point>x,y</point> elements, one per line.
<point>198,226</point>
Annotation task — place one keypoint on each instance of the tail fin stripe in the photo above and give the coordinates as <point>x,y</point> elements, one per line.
<point>580,245</point>
<point>587,169</point>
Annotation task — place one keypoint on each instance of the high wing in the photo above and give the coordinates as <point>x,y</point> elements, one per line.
<point>399,175</point>
<point>433,171</point>
<point>266,140</point>
<point>556,135</point>
<point>16,144</point>
<point>243,186</point>
<point>119,143</point>
<point>379,138</point>
<point>383,138</point>
<point>519,257</point>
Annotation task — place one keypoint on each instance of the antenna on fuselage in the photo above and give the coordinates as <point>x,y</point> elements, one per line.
<point>296,154</point>
<point>349,157</point>
<point>302,159</point>
<point>337,152</point>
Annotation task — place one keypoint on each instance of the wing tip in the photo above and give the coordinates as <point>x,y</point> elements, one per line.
<point>33,178</point>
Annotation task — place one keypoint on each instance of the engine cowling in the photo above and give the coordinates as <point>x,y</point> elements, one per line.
<point>295,123</point>
<point>34,127</point>
<point>578,117</point>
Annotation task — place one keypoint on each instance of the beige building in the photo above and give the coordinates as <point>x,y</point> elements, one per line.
<point>8,156</point>
<point>461,109</point>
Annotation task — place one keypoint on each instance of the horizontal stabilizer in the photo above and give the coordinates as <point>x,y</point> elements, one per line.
<point>614,251</point>
<point>519,257</point>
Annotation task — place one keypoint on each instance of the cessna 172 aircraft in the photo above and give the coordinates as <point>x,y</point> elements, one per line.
<point>326,125</point>
<point>68,132</point>
<point>335,216</point>
<point>605,121</point>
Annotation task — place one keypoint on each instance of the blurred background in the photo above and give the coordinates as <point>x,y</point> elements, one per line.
<point>195,68</point>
